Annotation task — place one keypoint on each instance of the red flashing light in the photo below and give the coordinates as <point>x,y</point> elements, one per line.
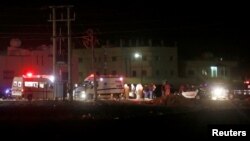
<point>247,82</point>
<point>29,74</point>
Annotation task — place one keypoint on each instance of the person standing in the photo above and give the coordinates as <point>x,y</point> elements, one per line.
<point>126,91</point>
<point>139,91</point>
<point>167,88</point>
<point>152,88</point>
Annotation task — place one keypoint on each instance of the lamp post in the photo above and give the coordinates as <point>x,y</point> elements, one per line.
<point>138,55</point>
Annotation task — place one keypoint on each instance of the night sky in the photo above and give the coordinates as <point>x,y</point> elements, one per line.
<point>196,28</point>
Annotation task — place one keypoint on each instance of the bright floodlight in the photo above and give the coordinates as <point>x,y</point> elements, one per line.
<point>52,78</point>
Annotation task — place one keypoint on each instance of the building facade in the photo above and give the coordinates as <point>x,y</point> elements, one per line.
<point>144,64</point>
<point>138,64</point>
<point>202,70</point>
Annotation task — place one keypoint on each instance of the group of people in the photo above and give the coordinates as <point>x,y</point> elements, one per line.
<point>147,91</point>
<point>139,91</point>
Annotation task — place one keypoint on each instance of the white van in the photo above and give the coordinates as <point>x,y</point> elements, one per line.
<point>32,86</point>
<point>107,86</point>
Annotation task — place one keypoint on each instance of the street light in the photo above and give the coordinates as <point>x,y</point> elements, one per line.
<point>138,55</point>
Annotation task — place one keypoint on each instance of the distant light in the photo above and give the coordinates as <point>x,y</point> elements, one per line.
<point>83,95</point>
<point>7,91</point>
<point>101,79</point>
<point>246,82</point>
<point>52,78</point>
<point>137,55</point>
<point>121,79</point>
<point>213,68</point>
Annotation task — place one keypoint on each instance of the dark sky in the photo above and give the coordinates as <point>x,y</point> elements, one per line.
<point>219,28</point>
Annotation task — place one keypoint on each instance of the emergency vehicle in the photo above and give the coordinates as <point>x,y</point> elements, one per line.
<point>106,86</point>
<point>33,86</point>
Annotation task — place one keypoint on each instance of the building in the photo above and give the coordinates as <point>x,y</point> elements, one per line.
<point>147,63</point>
<point>152,63</point>
<point>139,64</point>
<point>208,68</point>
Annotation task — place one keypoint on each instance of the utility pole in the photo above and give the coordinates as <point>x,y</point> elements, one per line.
<point>54,21</point>
<point>89,41</point>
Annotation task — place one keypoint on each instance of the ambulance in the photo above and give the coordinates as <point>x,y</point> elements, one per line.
<point>107,86</point>
<point>31,86</point>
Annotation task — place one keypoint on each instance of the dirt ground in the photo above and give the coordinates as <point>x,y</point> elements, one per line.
<point>170,117</point>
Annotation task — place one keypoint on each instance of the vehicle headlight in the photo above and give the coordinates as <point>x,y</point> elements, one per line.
<point>219,91</point>
<point>83,95</point>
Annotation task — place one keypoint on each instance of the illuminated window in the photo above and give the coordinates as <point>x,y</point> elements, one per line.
<point>15,83</point>
<point>28,84</point>
<point>41,85</point>
<point>214,71</point>
<point>31,84</point>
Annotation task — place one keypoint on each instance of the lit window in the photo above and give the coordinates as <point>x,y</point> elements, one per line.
<point>41,85</point>
<point>214,71</point>
<point>15,83</point>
